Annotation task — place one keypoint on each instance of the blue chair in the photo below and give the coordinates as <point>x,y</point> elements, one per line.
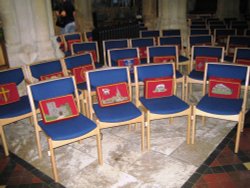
<point>177,40</point>
<point>150,33</point>
<point>122,111</point>
<point>65,131</point>
<point>170,32</point>
<point>208,53</point>
<point>69,39</point>
<point>235,41</point>
<point>227,108</point>
<point>113,44</point>
<point>75,62</point>
<point>12,110</point>
<point>44,70</point>
<point>247,32</point>
<point>87,47</point>
<point>142,44</point>
<point>88,36</point>
<point>162,107</point>
<point>200,32</point>
<point>171,53</point>
<point>242,56</point>
<point>220,36</point>
<point>199,40</point>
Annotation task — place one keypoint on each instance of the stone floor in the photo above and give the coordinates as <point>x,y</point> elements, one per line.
<point>169,163</point>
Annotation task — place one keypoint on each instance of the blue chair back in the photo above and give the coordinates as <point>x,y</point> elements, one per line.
<point>200,40</point>
<point>112,75</point>
<point>200,32</point>
<point>149,33</point>
<point>72,36</point>
<point>40,69</point>
<point>83,47</point>
<point>113,44</point>
<point>171,32</point>
<point>237,40</point>
<point>161,51</point>
<point>208,51</point>
<point>154,71</point>
<point>243,53</point>
<point>142,42</point>
<point>172,40</point>
<point>116,54</point>
<point>78,60</point>
<point>201,26</point>
<point>226,71</point>
<point>15,75</point>
<point>247,32</point>
<point>52,88</point>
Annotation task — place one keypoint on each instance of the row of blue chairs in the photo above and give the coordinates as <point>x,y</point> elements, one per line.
<point>118,109</point>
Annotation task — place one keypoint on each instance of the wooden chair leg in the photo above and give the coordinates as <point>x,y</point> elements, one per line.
<point>148,134</point>
<point>5,146</point>
<point>183,90</point>
<point>193,128</point>
<point>99,148</point>
<point>203,119</point>
<point>38,143</point>
<point>142,136</point>
<point>237,141</point>
<point>53,161</point>
<point>188,128</point>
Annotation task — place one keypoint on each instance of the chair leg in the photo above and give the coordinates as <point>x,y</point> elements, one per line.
<point>186,92</point>
<point>148,134</point>
<point>5,146</point>
<point>193,127</point>
<point>99,148</point>
<point>237,141</point>
<point>183,90</point>
<point>142,136</point>
<point>203,119</point>
<point>188,128</point>
<point>53,161</point>
<point>38,143</point>
<point>171,120</point>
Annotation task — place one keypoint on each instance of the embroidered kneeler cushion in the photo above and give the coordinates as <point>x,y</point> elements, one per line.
<point>51,76</point>
<point>158,87</point>
<point>58,108</point>
<point>8,93</point>
<point>163,59</point>
<point>143,52</point>
<point>200,62</point>
<point>79,73</point>
<point>243,61</point>
<point>224,87</point>
<point>93,52</point>
<point>69,42</point>
<point>113,94</point>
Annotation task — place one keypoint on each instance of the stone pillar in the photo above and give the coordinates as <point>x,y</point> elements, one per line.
<point>149,13</point>
<point>84,18</point>
<point>27,32</point>
<point>173,15</point>
<point>228,9</point>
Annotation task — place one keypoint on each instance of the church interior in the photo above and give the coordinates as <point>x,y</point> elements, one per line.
<point>125,93</point>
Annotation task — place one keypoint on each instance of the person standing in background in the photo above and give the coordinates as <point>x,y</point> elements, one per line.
<point>65,12</point>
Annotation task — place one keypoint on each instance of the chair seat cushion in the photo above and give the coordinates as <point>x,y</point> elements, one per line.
<point>18,108</point>
<point>182,59</point>
<point>229,58</point>
<point>117,113</point>
<point>164,105</point>
<point>220,106</point>
<point>82,86</point>
<point>68,129</point>
<point>198,75</point>
<point>178,74</point>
